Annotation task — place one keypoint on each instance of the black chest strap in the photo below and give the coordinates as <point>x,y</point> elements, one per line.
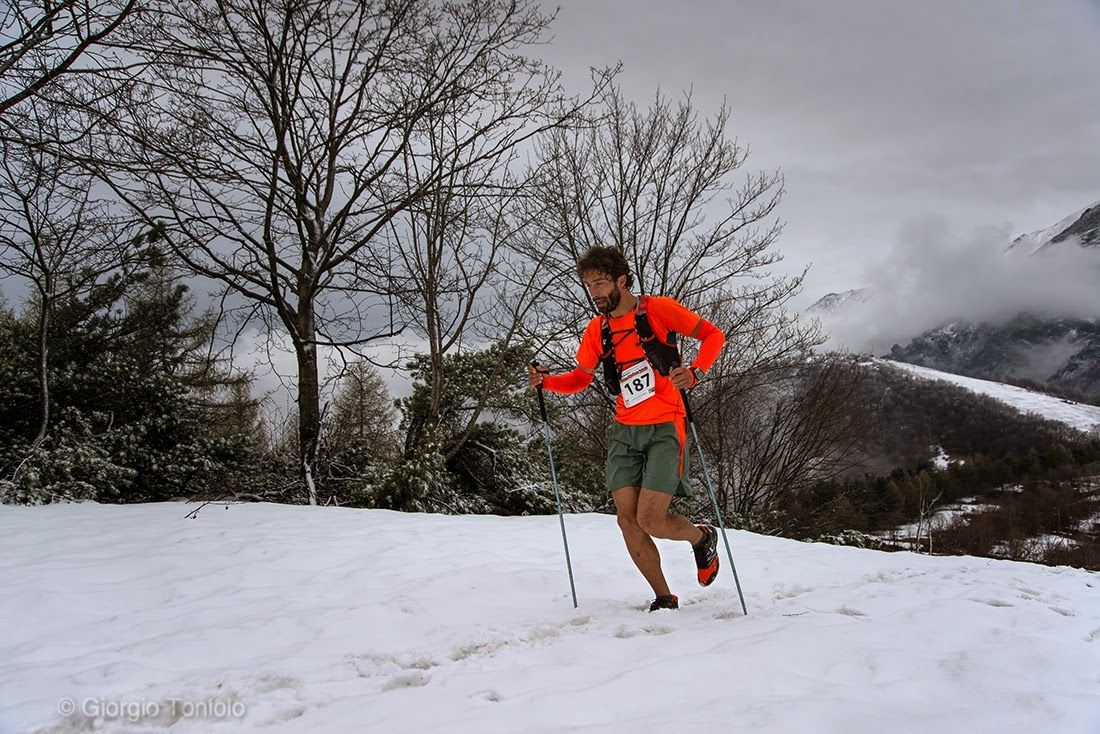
<point>661,356</point>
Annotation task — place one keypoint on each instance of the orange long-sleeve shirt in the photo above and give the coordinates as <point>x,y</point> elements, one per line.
<point>665,315</point>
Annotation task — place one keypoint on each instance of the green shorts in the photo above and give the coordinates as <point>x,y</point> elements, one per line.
<point>648,457</point>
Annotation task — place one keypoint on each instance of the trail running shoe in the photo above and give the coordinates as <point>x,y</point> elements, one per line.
<point>706,555</point>
<point>665,602</point>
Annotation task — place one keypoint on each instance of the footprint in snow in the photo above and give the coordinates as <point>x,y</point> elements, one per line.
<point>543,632</point>
<point>407,680</point>
<point>270,682</point>
<point>416,662</point>
<point>625,633</point>
<point>779,591</point>
<point>369,666</point>
<point>993,602</point>
<point>849,612</point>
<point>474,649</point>
<point>487,696</point>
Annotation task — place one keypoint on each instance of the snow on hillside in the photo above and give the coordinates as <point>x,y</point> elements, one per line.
<point>833,304</point>
<point>298,619</point>
<point>1078,415</point>
<point>1034,242</point>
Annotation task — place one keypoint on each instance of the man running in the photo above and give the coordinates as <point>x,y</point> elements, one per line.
<point>647,457</point>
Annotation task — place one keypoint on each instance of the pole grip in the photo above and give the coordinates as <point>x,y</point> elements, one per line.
<point>542,400</point>
<point>687,406</point>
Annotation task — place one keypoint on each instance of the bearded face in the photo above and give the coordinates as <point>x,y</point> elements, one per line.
<point>604,291</point>
<point>611,302</point>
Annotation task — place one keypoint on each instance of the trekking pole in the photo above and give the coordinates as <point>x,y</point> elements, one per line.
<point>713,498</point>
<point>557,495</point>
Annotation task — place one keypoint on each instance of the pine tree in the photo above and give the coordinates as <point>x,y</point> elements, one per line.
<point>137,398</point>
<point>359,441</point>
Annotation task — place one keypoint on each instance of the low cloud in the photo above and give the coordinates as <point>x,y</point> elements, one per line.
<point>934,276</point>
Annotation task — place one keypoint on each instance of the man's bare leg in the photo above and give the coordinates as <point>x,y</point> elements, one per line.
<point>643,551</point>
<point>656,520</point>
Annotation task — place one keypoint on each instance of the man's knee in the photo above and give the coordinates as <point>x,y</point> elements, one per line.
<point>626,509</point>
<point>628,522</point>
<point>652,521</point>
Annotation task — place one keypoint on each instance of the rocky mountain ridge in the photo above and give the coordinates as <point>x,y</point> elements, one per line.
<point>1059,354</point>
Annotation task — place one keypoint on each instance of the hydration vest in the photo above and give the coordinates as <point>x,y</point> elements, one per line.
<point>660,355</point>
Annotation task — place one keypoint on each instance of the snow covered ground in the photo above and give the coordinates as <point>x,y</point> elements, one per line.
<point>298,619</point>
<point>943,516</point>
<point>1079,415</point>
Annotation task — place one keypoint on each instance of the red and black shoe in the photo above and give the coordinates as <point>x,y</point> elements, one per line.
<point>706,555</point>
<point>665,602</point>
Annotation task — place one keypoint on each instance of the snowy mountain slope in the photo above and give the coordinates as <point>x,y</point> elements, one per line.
<point>1009,317</point>
<point>1060,353</point>
<point>1078,415</point>
<point>832,304</point>
<point>1082,227</point>
<point>301,619</point>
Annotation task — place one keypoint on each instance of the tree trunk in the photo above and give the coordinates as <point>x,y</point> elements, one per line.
<point>43,377</point>
<point>309,405</point>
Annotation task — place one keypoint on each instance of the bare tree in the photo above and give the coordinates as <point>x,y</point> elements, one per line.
<point>56,236</point>
<point>55,55</point>
<point>773,441</point>
<point>927,510</point>
<point>44,40</point>
<point>270,147</point>
<point>667,188</point>
<point>462,281</point>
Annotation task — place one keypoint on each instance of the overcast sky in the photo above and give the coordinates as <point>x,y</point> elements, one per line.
<point>916,138</point>
<point>956,117</point>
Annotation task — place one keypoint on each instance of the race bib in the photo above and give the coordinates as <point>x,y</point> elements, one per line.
<point>637,384</point>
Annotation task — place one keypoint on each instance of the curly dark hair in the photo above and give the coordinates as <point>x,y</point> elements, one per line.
<point>607,260</point>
